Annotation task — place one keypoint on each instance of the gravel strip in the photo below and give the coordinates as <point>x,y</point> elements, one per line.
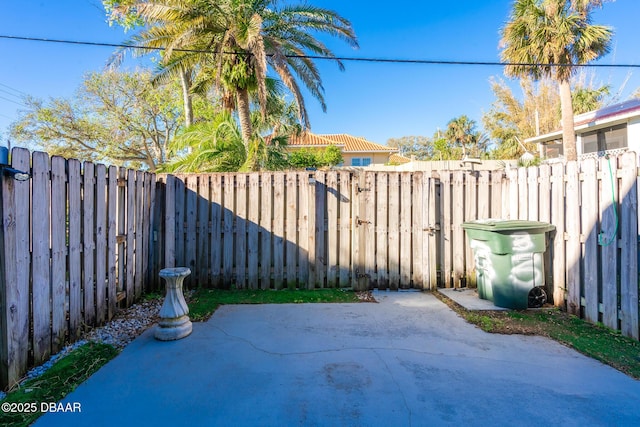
<point>125,326</point>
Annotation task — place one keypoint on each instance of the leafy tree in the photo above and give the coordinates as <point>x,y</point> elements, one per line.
<point>315,158</point>
<point>512,119</point>
<point>304,158</point>
<point>547,38</point>
<point>118,118</point>
<point>443,150</point>
<point>167,25</point>
<point>418,146</point>
<point>332,156</point>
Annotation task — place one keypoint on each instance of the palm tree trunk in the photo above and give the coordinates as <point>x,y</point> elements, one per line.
<point>244,115</point>
<point>568,131</point>
<point>185,81</point>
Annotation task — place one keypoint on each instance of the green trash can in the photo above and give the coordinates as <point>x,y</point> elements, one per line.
<point>509,260</point>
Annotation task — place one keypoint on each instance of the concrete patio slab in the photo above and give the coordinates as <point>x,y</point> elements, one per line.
<point>406,361</point>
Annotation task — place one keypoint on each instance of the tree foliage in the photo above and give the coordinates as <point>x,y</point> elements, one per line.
<point>315,158</point>
<point>217,145</point>
<point>419,147</point>
<point>512,119</point>
<point>118,118</point>
<point>546,38</point>
<point>230,43</point>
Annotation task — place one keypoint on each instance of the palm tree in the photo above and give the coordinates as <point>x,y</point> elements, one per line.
<point>212,146</point>
<point>548,38</point>
<point>231,44</point>
<point>259,35</point>
<point>461,133</point>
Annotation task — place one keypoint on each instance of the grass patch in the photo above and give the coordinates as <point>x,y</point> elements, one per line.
<point>62,378</point>
<point>203,302</point>
<point>596,341</point>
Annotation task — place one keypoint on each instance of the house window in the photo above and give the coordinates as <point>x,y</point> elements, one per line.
<point>552,151</point>
<point>361,161</point>
<point>611,138</point>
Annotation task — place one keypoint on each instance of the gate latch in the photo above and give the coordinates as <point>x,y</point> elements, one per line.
<point>361,221</point>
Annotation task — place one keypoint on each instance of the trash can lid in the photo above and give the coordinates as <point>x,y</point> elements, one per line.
<point>508,225</point>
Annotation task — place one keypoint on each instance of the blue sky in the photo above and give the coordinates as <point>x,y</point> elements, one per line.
<point>376,101</point>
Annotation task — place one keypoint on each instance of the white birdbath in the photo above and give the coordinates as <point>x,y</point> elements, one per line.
<point>174,320</point>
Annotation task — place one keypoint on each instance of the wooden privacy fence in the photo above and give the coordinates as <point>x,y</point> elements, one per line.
<point>594,206</point>
<point>364,229</point>
<point>302,229</point>
<point>74,241</point>
<point>78,238</point>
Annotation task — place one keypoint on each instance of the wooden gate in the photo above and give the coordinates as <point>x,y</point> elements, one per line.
<point>395,224</point>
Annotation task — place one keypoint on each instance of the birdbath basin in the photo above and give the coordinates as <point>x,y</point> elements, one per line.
<point>174,320</point>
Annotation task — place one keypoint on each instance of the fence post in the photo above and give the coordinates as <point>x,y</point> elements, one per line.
<point>14,273</point>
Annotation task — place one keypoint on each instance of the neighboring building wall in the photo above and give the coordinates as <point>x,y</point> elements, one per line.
<point>376,158</point>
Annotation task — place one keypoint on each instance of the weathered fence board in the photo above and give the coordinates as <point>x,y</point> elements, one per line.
<point>112,240</point>
<point>382,229</point>
<point>15,284</point>
<point>589,193</point>
<point>59,254</point>
<point>101,244</point>
<point>253,232</point>
<point>41,289</point>
<point>278,229</point>
<point>75,240</point>
<point>609,231</point>
<point>558,219</point>
<point>572,209</point>
<point>345,198</point>
<point>322,244</point>
<point>88,242</point>
<point>629,245</point>
<point>266,227</point>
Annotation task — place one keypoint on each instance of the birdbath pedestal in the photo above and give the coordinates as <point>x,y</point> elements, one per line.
<point>174,320</point>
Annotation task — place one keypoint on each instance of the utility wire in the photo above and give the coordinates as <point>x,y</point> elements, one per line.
<point>13,89</point>
<point>344,58</point>
<point>11,100</point>
<point>10,93</point>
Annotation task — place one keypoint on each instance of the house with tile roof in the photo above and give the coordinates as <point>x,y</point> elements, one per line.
<point>356,151</point>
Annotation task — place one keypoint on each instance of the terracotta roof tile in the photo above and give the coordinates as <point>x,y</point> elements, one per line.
<point>398,159</point>
<point>350,143</point>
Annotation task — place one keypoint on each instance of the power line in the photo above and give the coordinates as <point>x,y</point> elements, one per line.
<point>11,100</point>
<point>344,58</point>
<point>13,89</point>
<point>9,93</point>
